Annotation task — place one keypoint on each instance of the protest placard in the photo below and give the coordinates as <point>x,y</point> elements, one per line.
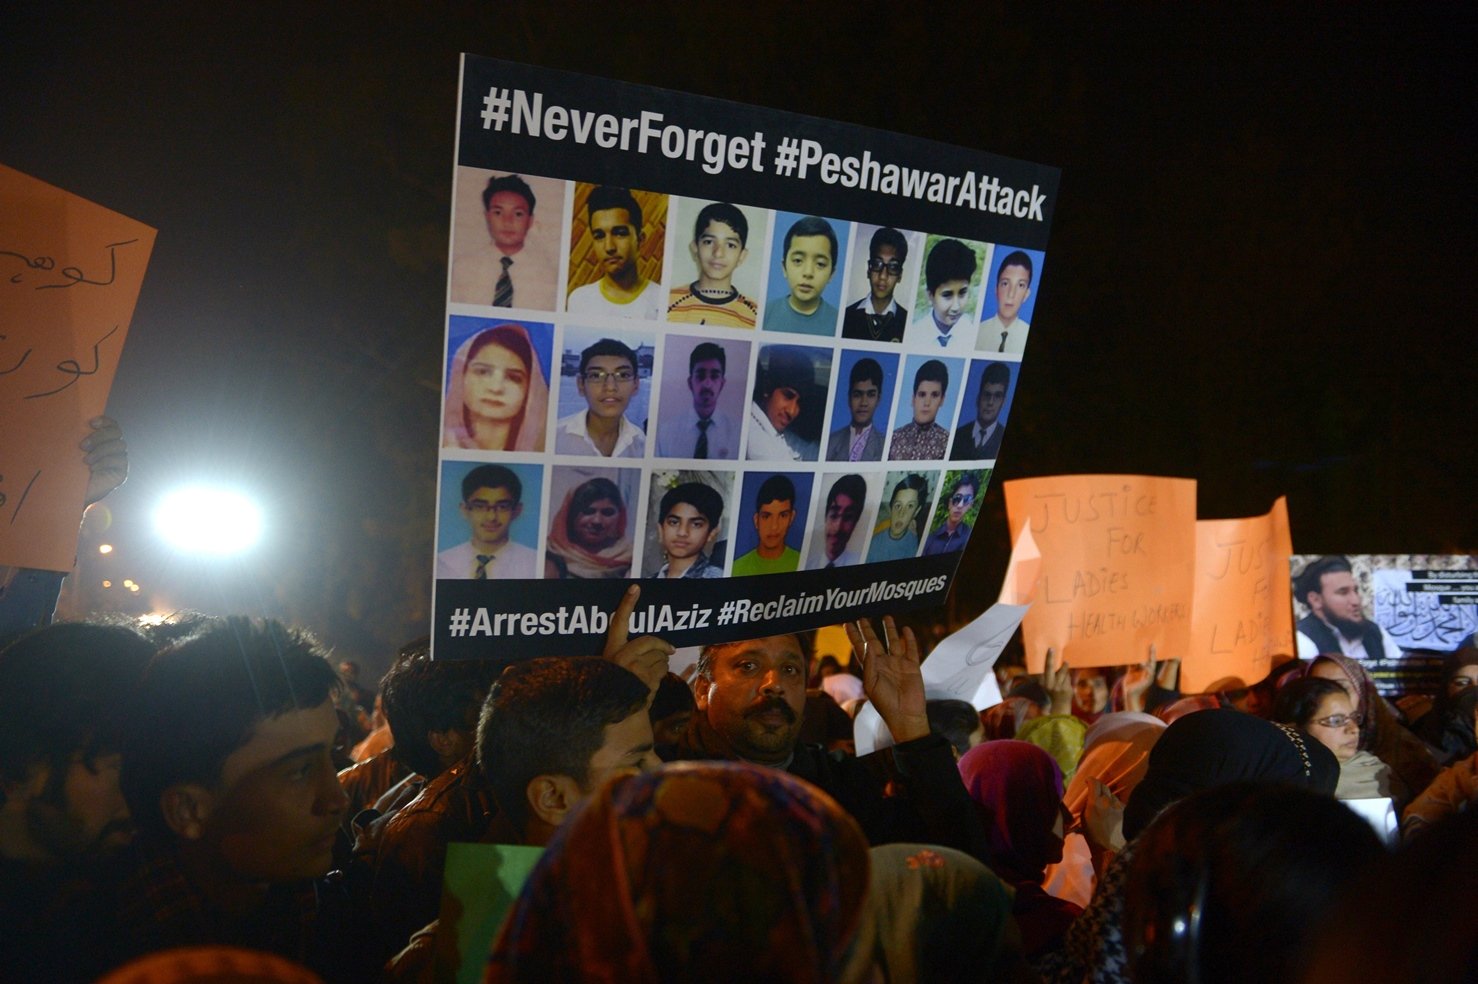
<point>481,883</point>
<point>1115,563</point>
<point>70,273</point>
<point>774,328</point>
<point>1242,614</point>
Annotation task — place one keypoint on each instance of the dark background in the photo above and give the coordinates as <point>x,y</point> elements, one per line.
<point>1260,272</point>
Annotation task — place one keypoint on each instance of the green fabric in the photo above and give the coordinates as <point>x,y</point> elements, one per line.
<point>482,881</point>
<point>753,563</point>
<point>1061,736</point>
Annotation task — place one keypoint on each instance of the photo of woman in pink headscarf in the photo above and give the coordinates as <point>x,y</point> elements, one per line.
<point>497,395</point>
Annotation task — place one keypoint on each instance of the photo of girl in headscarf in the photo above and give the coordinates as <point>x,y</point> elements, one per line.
<point>497,393</point>
<point>590,534</point>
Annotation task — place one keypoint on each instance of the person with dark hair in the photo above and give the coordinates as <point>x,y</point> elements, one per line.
<point>719,246</point>
<point>785,383</point>
<point>614,219</point>
<point>1455,789</point>
<point>751,697</point>
<point>515,265</point>
<point>878,317</point>
<point>860,440</point>
<point>589,536</point>
<point>899,537</point>
<point>954,533</point>
<point>491,503</point>
<point>1381,732</point>
<point>701,432</point>
<point>1006,330</point>
<point>608,377</point>
<point>957,723</point>
<point>1336,622</point>
<point>676,876</point>
<point>228,772</point>
<point>553,731</point>
<point>671,712</point>
<point>64,690</point>
<point>497,397</point>
<point>808,259</point>
<point>1447,727</point>
<point>687,523</point>
<point>844,502</point>
<point>1225,884</point>
<point>774,512</point>
<point>922,438</point>
<point>1322,709</point>
<point>948,270</point>
<point>982,437</point>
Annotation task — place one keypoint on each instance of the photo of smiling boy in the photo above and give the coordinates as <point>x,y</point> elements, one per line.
<point>878,317</point>
<point>807,258</point>
<point>610,266</point>
<point>719,248</point>
<point>491,502</point>
<point>607,378</point>
<point>949,272</point>
<point>689,524</point>
<point>1006,329</point>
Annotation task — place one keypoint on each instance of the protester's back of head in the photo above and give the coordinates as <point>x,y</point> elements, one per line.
<point>432,707</point>
<point>202,698</point>
<point>1228,884</point>
<point>712,871</point>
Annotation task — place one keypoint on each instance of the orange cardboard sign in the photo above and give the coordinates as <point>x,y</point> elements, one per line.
<point>1243,613</point>
<point>1115,566</point>
<point>70,273</point>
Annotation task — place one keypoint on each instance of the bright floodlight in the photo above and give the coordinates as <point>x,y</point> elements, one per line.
<point>212,521</point>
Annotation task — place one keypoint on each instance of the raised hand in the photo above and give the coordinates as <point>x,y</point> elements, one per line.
<point>646,656</point>
<point>106,458</point>
<point>891,677</point>
<point>1058,683</point>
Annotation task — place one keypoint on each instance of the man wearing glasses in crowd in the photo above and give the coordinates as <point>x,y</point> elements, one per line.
<point>955,531</point>
<point>491,503</point>
<point>878,316</point>
<point>607,378</point>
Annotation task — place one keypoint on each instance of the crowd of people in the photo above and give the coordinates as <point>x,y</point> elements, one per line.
<point>215,796</point>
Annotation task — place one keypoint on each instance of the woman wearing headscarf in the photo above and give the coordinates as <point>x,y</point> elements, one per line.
<point>1322,710</point>
<point>1018,788</point>
<point>939,916</point>
<point>1115,757</point>
<point>1412,763</point>
<point>497,398</point>
<point>587,537</point>
<point>1199,751</point>
<point>712,871</point>
<point>1059,735</point>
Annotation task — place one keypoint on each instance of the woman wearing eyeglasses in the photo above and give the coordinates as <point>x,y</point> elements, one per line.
<point>588,537</point>
<point>1322,709</point>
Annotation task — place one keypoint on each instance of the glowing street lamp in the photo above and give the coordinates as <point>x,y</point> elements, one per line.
<point>211,521</point>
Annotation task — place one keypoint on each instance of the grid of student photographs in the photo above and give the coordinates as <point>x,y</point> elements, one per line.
<point>643,385</point>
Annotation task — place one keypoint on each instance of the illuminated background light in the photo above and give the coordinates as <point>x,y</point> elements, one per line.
<point>215,522</point>
<point>105,548</point>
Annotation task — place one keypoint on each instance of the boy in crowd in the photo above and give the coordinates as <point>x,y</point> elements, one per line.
<point>688,524</point>
<point>878,317</point>
<point>947,273</point>
<point>809,257</point>
<point>1005,331</point>
<point>615,221</point>
<point>491,504</point>
<point>608,379</point>
<point>923,439</point>
<point>774,512</point>
<point>719,242</point>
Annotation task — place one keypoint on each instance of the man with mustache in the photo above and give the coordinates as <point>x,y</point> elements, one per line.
<point>751,696</point>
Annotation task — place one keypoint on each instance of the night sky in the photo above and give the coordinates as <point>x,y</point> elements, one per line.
<point>1260,274</point>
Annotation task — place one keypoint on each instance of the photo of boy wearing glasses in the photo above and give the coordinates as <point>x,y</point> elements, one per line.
<point>878,317</point>
<point>607,378</point>
<point>492,501</point>
<point>956,508</point>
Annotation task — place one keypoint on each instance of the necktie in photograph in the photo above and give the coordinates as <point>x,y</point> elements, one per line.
<point>857,447</point>
<point>503,292</point>
<point>700,450</point>
<point>483,560</point>
<point>1003,343</point>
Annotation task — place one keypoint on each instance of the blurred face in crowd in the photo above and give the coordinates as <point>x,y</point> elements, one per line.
<point>1090,691</point>
<point>626,751</point>
<point>1336,726</point>
<point>82,816</point>
<point>1327,670</point>
<point>754,696</point>
<point>1466,676</point>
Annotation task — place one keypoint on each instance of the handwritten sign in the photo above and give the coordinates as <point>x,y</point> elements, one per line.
<point>1115,566</point>
<point>1242,613</point>
<point>70,273</point>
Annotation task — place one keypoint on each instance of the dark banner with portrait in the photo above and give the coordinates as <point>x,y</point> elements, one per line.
<point>763,363</point>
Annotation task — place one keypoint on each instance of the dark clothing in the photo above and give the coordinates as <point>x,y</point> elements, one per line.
<point>365,782</point>
<point>929,804</point>
<point>858,321</point>
<point>27,599</point>
<point>1323,637</point>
